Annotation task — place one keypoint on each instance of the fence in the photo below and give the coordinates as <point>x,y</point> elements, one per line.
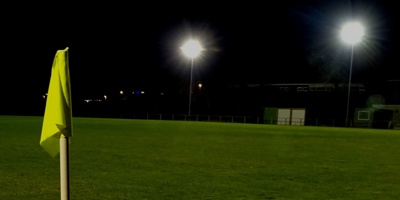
<point>381,124</point>
<point>209,118</point>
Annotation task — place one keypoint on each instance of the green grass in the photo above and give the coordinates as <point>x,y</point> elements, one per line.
<point>138,159</point>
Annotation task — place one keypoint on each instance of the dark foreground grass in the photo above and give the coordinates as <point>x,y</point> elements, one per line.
<point>136,159</point>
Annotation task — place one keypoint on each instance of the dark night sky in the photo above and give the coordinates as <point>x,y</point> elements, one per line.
<point>134,46</point>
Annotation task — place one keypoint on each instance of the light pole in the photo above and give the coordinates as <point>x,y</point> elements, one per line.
<point>191,49</point>
<point>351,33</point>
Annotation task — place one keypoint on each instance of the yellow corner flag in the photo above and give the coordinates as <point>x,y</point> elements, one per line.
<point>57,120</point>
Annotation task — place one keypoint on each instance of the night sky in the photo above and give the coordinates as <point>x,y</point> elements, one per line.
<point>136,46</point>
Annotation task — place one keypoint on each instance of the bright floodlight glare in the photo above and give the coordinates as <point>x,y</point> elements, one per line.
<point>191,48</point>
<point>352,33</point>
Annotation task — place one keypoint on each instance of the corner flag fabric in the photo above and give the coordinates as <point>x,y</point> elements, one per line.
<point>57,120</point>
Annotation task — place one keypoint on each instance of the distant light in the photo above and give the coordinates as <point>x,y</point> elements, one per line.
<point>88,100</point>
<point>192,48</point>
<point>105,97</point>
<point>137,92</point>
<point>142,92</point>
<point>121,92</point>
<point>44,96</point>
<point>352,33</point>
<point>162,93</point>
<point>200,85</point>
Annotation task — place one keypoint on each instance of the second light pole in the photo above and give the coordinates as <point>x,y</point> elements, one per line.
<point>191,49</point>
<point>351,33</point>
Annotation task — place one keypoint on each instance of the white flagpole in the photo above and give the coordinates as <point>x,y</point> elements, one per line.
<point>64,168</point>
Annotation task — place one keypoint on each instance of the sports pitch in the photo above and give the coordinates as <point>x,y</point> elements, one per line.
<point>157,159</point>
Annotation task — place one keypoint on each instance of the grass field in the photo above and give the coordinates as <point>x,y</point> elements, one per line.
<point>139,159</point>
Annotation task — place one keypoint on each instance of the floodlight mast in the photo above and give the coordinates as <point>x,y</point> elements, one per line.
<point>192,50</point>
<point>352,33</point>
